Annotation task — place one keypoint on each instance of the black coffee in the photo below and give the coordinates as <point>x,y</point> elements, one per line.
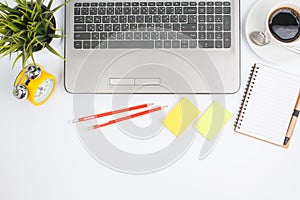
<point>284,24</point>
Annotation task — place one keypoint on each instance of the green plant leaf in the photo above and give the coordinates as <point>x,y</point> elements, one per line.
<point>61,5</point>
<point>55,36</point>
<point>16,60</point>
<point>53,51</point>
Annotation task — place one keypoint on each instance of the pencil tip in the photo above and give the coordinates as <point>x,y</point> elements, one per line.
<point>73,121</point>
<point>150,104</point>
<point>164,106</point>
<point>286,140</point>
<point>90,128</point>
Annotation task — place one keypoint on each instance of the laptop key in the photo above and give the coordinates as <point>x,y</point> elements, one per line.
<point>227,39</point>
<point>107,27</point>
<point>201,10</point>
<point>219,44</point>
<point>131,19</point>
<point>174,18</point>
<point>82,36</point>
<point>210,35</point>
<point>133,27</point>
<point>91,27</point>
<point>105,19</point>
<point>227,23</point>
<point>116,27</point>
<point>218,10</point>
<point>129,35</point>
<point>146,35</point>
<point>158,44</point>
<point>165,18</point>
<point>175,44</point>
<point>79,27</point>
<point>184,44</point>
<point>101,11</point>
<point>120,36</point>
<point>154,35</point>
<point>78,19</point>
<point>192,19</point>
<point>218,35</point>
<point>163,35</point>
<point>218,18</point>
<point>210,10</point>
<point>192,43</point>
<point>140,19</point>
<point>172,35</point>
<point>124,27</point>
<point>123,19</point>
<point>182,18</point>
<point>127,10</point>
<point>167,27</point>
<point>202,35</point>
<point>84,11</point>
<point>103,44</point>
<point>186,35</point>
<point>176,27</point>
<point>95,36</point>
<point>86,44</point>
<point>103,36</point>
<point>114,19</point>
<point>95,44</point>
<point>188,27</point>
<point>152,10</point>
<point>118,11</point>
<point>206,44</point>
<point>170,10</point>
<point>110,11</point>
<point>137,35</point>
<point>99,27</point>
<point>89,19</point>
<point>93,11</point>
<point>131,44</point>
<point>112,36</point>
<point>141,27</point>
<point>76,11</point>
<point>148,19</point>
<point>226,10</point>
<point>178,10</point>
<point>167,44</point>
<point>97,19</point>
<point>77,44</point>
<point>190,10</point>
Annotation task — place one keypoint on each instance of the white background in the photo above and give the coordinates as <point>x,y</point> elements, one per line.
<point>41,156</point>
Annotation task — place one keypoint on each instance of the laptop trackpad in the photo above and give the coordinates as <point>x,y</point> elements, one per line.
<point>134,81</point>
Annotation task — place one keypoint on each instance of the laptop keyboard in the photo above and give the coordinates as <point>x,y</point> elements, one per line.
<point>149,25</point>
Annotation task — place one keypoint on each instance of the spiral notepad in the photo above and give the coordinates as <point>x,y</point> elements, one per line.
<point>268,104</point>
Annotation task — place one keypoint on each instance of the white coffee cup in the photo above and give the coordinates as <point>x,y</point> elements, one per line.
<point>282,33</point>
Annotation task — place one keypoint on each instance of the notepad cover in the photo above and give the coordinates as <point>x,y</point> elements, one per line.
<point>268,104</point>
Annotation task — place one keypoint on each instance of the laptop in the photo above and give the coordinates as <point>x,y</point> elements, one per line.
<point>152,47</point>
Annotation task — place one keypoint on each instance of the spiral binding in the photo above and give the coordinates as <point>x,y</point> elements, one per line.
<point>246,97</point>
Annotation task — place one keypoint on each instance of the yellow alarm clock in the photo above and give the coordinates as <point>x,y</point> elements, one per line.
<point>35,84</point>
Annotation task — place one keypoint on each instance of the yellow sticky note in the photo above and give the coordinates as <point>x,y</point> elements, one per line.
<point>181,116</point>
<point>213,121</point>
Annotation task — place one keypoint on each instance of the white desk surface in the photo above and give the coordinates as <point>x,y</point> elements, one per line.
<point>41,156</point>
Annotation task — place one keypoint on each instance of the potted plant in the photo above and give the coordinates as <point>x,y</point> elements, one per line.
<point>27,28</point>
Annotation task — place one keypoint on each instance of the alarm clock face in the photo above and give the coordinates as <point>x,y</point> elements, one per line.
<point>44,90</point>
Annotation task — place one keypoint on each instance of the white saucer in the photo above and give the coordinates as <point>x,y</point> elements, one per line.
<point>273,52</point>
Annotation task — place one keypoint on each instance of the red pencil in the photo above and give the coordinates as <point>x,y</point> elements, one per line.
<point>126,117</point>
<point>110,113</point>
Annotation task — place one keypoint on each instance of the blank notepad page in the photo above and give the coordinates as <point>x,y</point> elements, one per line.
<point>268,105</point>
